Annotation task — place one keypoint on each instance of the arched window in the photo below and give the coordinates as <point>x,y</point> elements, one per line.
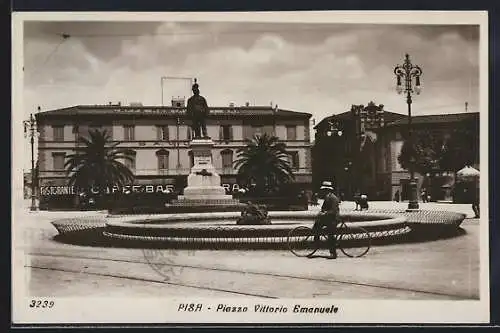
<point>162,157</point>
<point>130,162</point>
<point>227,159</point>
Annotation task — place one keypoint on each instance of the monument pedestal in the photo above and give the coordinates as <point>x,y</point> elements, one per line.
<point>203,183</point>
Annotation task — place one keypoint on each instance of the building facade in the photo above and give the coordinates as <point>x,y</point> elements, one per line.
<point>358,150</point>
<point>157,139</point>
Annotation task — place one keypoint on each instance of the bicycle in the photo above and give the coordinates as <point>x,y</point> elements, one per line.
<point>352,241</point>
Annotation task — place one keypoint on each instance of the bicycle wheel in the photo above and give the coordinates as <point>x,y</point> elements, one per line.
<point>354,242</point>
<point>301,241</point>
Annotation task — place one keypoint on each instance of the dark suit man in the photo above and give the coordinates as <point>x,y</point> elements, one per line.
<point>329,217</point>
<point>197,112</point>
<point>475,201</point>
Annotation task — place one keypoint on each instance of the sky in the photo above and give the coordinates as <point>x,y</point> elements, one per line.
<point>317,68</point>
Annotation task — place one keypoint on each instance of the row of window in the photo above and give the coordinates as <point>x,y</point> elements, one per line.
<point>162,132</point>
<point>163,158</point>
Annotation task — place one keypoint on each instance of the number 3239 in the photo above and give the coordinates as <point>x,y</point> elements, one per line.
<point>41,304</point>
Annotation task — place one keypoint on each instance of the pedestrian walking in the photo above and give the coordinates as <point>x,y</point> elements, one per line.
<point>357,197</point>
<point>314,199</point>
<point>475,202</point>
<point>396,196</point>
<point>423,195</point>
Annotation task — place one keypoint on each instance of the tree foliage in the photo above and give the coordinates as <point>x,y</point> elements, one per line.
<point>97,164</point>
<point>462,148</point>
<point>264,162</point>
<point>434,151</point>
<point>425,153</point>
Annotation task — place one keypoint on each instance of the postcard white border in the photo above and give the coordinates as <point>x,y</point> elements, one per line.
<point>93,310</point>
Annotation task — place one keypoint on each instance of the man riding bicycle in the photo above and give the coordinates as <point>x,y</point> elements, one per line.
<point>328,217</point>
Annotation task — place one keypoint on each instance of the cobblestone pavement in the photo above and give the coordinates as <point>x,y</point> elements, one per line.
<point>443,269</point>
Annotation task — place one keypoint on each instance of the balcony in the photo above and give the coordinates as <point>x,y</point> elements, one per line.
<point>166,172</point>
<point>161,172</point>
<point>178,172</point>
<point>53,174</point>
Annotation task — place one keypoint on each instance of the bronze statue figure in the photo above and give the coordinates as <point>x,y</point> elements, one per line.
<point>197,112</point>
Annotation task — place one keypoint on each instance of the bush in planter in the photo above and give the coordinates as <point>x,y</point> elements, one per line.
<point>254,214</point>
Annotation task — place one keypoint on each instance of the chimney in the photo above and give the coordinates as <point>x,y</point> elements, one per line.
<point>231,105</point>
<point>247,104</point>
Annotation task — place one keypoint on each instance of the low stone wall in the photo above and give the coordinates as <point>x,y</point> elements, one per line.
<point>219,230</point>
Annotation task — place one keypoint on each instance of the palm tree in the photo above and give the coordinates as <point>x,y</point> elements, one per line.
<point>96,163</point>
<point>264,162</point>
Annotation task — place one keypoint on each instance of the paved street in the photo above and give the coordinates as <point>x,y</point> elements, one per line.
<point>444,269</point>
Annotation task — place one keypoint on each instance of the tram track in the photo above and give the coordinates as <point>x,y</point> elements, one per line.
<point>147,262</point>
<point>149,281</point>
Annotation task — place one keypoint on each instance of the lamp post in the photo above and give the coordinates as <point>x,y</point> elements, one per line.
<point>333,130</point>
<point>347,177</point>
<point>30,131</point>
<point>405,75</point>
<point>178,120</point>
<point>275,110</point>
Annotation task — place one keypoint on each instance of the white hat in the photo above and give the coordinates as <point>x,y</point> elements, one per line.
<point>326,185</point>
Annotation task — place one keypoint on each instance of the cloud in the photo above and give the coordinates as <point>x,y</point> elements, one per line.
<point>321,69</point>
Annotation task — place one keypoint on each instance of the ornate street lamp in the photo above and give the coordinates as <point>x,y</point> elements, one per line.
<point>406,74</point>
<point>30,131</point>
<point>333,128</point>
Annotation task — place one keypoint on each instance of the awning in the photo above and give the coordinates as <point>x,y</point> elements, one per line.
<point>468,173</point>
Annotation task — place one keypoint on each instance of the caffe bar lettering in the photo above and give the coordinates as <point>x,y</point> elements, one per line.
<point>231,187</point>
<point>49,191</point>
<point>127,189</point>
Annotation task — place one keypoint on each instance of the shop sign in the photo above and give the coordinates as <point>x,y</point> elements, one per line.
<point>127,189</point>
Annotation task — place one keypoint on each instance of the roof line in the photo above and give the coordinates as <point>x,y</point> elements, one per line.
<point>105,107</point>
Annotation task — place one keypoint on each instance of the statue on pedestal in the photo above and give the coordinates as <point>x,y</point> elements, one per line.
<point>197,112</point>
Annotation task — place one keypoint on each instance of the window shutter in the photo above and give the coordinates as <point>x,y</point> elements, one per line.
<point>167,133</point>
<point>158,133</point>
<point>231,132</point>
<point>221,132</point>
